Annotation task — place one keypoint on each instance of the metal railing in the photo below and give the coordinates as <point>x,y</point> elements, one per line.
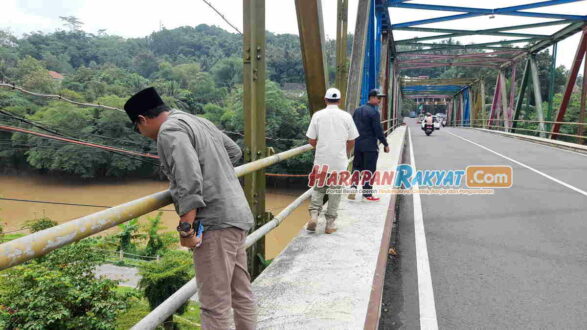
<point>40,243</point>
<point>171,304</point>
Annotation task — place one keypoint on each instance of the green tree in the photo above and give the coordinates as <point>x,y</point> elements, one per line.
<point>39,224</point>
<point>159,280</point>
<point>60,291</point>
<point>129,232</point>
<point>32,75</point>
<point>228,72</point>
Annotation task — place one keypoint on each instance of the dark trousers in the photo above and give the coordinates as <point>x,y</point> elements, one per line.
<point>365,161</point>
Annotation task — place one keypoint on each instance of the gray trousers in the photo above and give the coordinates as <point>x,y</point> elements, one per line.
<point>331,208</point>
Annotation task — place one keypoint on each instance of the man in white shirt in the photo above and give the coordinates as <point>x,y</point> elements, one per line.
<point>332,132</point>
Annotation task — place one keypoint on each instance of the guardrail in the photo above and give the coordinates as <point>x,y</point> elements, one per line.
<point>40,243</point>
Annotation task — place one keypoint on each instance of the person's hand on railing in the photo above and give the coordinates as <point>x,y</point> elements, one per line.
<point>386,149</point>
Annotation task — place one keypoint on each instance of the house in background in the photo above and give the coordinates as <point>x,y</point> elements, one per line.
<point>56,75</point>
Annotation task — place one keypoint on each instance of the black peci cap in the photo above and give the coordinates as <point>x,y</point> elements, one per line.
<point>141,102</point>
<point>375,92</point>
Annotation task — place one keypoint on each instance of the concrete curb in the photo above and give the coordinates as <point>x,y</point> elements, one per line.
<point>553,143</point>
<point>374,307</point>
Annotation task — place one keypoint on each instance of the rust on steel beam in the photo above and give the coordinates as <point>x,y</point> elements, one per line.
<point>341,46</point>
<point>354,85</point>
<point>581,48</point>
<point>254,68</point>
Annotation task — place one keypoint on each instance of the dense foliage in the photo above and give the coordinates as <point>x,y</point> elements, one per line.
<point>196,69</point>
<point>60,291</point>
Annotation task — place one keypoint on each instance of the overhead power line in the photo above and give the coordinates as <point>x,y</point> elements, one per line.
<point>87,144</point>
<point>222,16</point>
<point>91,105</point>
<point>58,97</point>
<point>63,203</point>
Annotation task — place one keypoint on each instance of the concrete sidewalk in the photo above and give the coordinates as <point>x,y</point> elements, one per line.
<point>325,281</point>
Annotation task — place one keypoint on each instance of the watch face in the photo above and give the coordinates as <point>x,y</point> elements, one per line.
<point>184,226</point>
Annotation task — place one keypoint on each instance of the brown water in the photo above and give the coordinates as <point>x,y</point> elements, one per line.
<point>113,192</point>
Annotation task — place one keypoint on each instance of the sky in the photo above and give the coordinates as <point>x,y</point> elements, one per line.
<point>138,18</point>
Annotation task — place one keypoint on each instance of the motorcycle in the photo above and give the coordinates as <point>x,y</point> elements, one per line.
<point>428,128</point>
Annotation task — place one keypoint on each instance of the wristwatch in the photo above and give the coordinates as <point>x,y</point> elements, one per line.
<point>184,229</point>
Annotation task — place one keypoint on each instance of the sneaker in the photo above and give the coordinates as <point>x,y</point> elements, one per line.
<point>311,226</point>
<point>372,199</point>
<point>329,230</point>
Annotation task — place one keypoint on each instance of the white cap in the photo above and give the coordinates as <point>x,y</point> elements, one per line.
<point>332,94</point>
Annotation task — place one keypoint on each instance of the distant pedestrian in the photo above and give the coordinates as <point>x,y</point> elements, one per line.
<point>368,121</point>
<point>332,132</point>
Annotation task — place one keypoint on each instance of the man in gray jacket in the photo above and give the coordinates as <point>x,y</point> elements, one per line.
<point>198,160</point>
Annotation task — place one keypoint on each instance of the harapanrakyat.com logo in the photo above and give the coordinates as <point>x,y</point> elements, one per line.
<point>473,180</point>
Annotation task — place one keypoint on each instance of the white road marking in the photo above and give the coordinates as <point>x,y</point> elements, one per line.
<point>582,192</point>
<point>425,291</point>
<point>547,146</point>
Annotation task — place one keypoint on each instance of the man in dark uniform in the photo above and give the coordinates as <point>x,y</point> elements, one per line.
<point>368,121</point>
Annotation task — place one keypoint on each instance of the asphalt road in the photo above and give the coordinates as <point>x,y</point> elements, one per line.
<point>513,260</point>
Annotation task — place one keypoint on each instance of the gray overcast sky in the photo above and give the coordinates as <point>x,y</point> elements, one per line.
<point>138,18</point>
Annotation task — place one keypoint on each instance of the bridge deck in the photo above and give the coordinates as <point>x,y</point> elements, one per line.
<point>516,259</point>
<point>324,281</point>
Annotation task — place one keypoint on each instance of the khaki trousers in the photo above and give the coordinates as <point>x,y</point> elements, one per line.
<point>332,207</point>
<point>223,280</point>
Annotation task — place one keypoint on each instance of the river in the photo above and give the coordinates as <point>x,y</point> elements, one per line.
<point>113,192</point>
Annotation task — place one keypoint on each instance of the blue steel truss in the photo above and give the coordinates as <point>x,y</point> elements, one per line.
<point>413,53</point>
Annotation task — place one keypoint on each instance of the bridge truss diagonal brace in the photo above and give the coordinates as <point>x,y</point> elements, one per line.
<point>521,93</point>
<point>579,55</point>
<point>537,95</point>
<point>354,87</point>
<point>311,28</point>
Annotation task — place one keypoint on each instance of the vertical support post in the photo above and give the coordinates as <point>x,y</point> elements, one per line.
<point>551,86</point>
<point>582,114</point>
<point>520,100</point>
<point>482,96</point>
<point>495,100</point>
<point>254,110</point>
<point>371,55</point>
<point>449,112</point>
<point>354,85</point>
<point>512,101</point>
<point>384,76</point>
<point>390,92</point>
<point>504,99</point>
<point>341,41</point>
<point>570,83</point>
<point>537,95</point>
